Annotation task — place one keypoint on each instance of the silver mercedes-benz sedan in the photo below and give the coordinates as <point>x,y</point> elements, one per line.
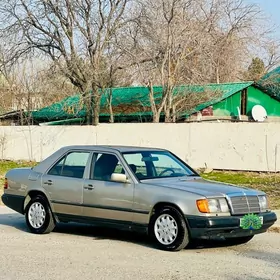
<point>134,188</point>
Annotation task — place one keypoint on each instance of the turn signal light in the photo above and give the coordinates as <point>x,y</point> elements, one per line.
<point>6,184</point>
<point>202,206</point>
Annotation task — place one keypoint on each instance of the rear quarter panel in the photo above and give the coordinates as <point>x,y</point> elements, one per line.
<point>18,181</point>
<point>23,180</point>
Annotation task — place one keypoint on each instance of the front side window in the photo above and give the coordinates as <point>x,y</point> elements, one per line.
<point>104,166</point>
<point>138,167</point>
<point>71,165</point>
<point>156,164</point>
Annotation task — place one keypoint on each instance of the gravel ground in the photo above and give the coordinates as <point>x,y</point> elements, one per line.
<point>74,251</point>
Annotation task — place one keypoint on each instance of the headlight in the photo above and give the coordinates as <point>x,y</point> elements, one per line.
<point>263,202</point>
<point>212,205</point>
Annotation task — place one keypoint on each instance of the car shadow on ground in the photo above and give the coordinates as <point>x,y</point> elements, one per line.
<point>13,220</point>
<point>211,244</point>
<point>103,233</point>
<point>17,221</point>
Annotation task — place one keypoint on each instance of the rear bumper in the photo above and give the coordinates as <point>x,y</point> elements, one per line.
<point>15,202</point>
<point>225,227</point>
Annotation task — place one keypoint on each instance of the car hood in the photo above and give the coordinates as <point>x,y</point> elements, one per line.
<point>201,186</point>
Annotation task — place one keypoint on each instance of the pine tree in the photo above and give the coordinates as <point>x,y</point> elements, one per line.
<point>255,70</point>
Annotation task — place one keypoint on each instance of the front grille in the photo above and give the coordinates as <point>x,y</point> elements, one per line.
<point>244,205</point>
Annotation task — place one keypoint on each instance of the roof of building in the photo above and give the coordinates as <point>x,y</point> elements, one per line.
<point>12,114</point>
<point>270,83</point>
<point>134,101</point>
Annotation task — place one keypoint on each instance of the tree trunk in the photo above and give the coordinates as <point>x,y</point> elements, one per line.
<point>21,116</point>
<point>95,105</point>
<point>167,115</point>
<point>111,120</point>
<point>96,112</point>
<point>88,107</point>
<point>168,106</point>
<point>217,74</point>
<point>174,117</point>
<point>156,112</point>
<point>156,117</point>
<point>29,107</point>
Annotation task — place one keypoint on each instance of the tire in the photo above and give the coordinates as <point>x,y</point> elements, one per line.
<point>177,231</point>
<point>240,240</point>
<point>40,226</point>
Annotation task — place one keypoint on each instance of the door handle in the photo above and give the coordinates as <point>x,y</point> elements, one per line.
<point>89,187</point>
<point>49,182</point>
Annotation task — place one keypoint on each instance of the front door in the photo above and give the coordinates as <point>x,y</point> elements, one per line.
<point>103,199</point>
<point>64,183</point>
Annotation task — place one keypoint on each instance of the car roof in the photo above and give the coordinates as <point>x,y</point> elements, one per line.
<point>113,148</point>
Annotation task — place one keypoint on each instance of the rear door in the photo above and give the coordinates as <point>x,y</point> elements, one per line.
<point>64,183</point>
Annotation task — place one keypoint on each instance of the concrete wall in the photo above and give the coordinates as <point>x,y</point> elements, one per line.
<point>234,146</point>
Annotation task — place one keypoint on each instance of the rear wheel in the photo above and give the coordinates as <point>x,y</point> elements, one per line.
<point>169,230</point>
<point>38,216</point>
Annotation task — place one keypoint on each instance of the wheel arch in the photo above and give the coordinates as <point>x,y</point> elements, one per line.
<point>160,205</point>
<point>34,192</point>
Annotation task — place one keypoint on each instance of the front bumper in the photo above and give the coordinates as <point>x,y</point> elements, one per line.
<point>15,202</point>
<point>225,227</point>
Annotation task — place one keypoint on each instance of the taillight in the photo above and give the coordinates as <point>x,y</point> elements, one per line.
<point>6,184</point>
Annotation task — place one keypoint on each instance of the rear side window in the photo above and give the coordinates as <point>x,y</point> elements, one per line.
<point>71,165</point>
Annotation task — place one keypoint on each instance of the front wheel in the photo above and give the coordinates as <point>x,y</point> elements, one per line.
<point>168,228</point>
<point>38,216</point>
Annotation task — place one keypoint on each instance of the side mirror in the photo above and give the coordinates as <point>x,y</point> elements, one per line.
<point>121,178</point>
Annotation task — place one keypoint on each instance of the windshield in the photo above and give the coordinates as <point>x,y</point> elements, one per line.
<point>156,164</point>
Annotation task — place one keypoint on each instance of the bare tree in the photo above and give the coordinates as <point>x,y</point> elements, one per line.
<point>272,55</point>
<point>75,35</point>
<point>230,27</point>
<point>30,85</point>
<point>163,38</point>
<point>176,42</point>
<point>100,44</point>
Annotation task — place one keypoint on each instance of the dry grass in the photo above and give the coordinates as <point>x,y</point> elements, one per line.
<point>267,182</point>
<point>274,229</point>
